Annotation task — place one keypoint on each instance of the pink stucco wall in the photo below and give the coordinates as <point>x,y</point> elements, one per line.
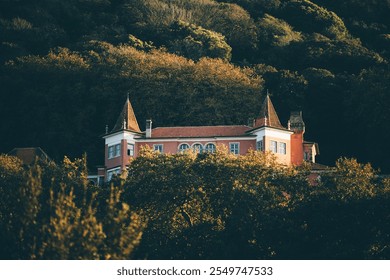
<point>171,147</point>
<point>119,161</point>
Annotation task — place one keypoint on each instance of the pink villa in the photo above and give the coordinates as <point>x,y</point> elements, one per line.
<point>265,133</point>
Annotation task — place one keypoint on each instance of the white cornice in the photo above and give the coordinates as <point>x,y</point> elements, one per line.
<point>123,131</point>
<point>271,129</point>
<point>196,139</point>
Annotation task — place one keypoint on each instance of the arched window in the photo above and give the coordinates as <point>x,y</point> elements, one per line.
<point>197,148</point>
<point>210,148</point>
<point>183,147</point>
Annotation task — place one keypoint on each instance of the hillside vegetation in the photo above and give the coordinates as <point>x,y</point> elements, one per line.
<point>66,67</point>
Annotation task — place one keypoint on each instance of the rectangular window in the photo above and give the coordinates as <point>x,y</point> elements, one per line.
<point>109,175</point>
<point>130,150</point>
<point>259,145</point>
<point>117,150</point>
<point>112,173</point>
<point>114,151</point>
<point>234,148</point>
<point>111,152</point>
<point>273,146</point>
<point>158,147</point>
<point>282,148</point>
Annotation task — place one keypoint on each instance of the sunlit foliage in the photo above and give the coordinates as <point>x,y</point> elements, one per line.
<point>275,32</point>
<point>220,206</point>
<point>49,211</point>
<point>194,206</point>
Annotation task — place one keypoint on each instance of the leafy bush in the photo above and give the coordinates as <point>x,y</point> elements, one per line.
<point>49,212</point>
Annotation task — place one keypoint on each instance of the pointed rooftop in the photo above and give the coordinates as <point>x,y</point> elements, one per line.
<point>127,119</point>
<point>268,116</point>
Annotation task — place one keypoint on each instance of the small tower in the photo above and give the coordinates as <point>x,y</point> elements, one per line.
<point>296,124</point>
<point>120,143</point>
<point>270,134</point>
<point>268,115</point>
<point>127,119</point>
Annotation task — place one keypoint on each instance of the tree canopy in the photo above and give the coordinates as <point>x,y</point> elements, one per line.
<point>193,206</point>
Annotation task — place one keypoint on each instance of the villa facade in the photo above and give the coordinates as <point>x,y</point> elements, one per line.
<point>265,133</point>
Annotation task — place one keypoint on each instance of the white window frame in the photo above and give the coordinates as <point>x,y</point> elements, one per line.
<point>282,148</point>
<point>114,150</point>
<point>158,148</point>
<point>197,145</point>
<point>234,148</point>
<point>260,145</point>
<point>113,172</point>
<point>208,150</point>
<point>110,151</point>
<point>117,150</point>
<point>273,146</point>
<point>183,150</point>
<point>130,149</point>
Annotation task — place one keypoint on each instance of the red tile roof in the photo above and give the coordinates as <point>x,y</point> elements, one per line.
<point>200,131</point>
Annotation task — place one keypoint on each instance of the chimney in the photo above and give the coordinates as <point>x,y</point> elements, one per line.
<point>296,123</point>
<point>148,128</point>
<point>251,122</point>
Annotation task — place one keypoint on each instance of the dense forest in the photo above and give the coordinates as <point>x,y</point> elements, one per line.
<point>206,206</point>
<point>66,67</point>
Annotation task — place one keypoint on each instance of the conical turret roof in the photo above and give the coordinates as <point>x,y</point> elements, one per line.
<point>268,115</point>
<point>127,119</point>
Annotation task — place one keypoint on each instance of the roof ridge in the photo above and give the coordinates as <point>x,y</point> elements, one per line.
<point>268,115</point>
<point>190,126</point>
<point>127,119</point>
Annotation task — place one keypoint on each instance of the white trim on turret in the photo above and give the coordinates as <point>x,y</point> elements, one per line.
<point>272,132</point>
<point>117,137</point>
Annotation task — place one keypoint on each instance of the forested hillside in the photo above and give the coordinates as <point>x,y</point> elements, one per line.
<point>66,67</point>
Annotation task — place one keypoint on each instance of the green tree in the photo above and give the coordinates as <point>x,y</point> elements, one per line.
<point>49,212</point>
<point>193,200</point>
<point>195,42</point>
<point>344,217</point>
<point>273,32</point>
<point>367,97</point>
<point>311,18</point>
